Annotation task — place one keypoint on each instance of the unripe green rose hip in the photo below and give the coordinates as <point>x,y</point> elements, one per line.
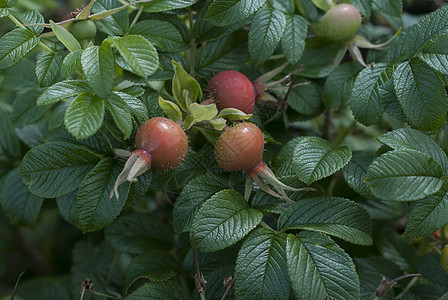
<point>340,23</point>
<point>84,29</point>
<point>444,259</point>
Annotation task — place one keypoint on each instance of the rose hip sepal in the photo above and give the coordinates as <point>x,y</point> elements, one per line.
<point>240,148</point>
<point>160,142</point>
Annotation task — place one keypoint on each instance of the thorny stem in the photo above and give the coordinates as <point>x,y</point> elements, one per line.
<point>386,285</point>
<point>229,287</point>
<point>283,104</point>
<point>17,22</point>
<point>410,284</point>
<point>198,278</point>
<point>87,284</point>
<point>15,286</point>
<point>416,275</point>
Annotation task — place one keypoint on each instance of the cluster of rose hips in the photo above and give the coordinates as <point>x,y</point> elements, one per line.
<point>163,144</point>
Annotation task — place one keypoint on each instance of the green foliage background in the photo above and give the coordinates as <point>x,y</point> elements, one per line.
<point>372,139</point>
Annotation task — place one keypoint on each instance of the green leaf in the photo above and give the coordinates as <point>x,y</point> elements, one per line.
<point>283,160</point>
<point>186,89</point>
<point>121,113</point>
<point>435,54</point>
<point>138,53</point>
<point>71,63</point>
<point>315,158</point>
<point>305,99</point>
<point>158,291</point>
<point>225,53</point>
<point>396,248</point>
<point>162,34</point>
<point>233,114</point>
<point>392,8</point>
<point>218,123</point>
<point>138,190</point>
<point>323,4</point>
<point>32,16</point>
<point>411,40</point>
<point>91,261</point>
<point>429,266</point>
<point>335,216</point>
<point>84,115</point>
<point>355,172</point>
<point>15,45</point>
<point>164,5</point>
<point>421,94</point>
<point>21,207</point>
<point>8,138</point>
<point>99,68</point>
<point>319,268</point>
<point>136,106</point>
<point>137,233</point>
<point>404,175</point>
<point>25,110</point>
<point>21,77</point>
<point>48,65</point>
<point>365,101</point>
<point>407,138</point>
<point>228,12</point>
<point>175,179</point>
<point>176,20</point>
<point>205,31</point>
<point>4,12</point>
<point>95,208</point>
<point>293,40</point>
<point>339,84</point>
<point>192,197</point>
<point>7,3</point>
<point>390,102</point>
<point>427,215</point>
<point>262,259</point>
<point>375,264</point>
<point>67,207</point>
<point>385,210</point>
<point>62,90</point>
<point>318,62</point>
<point>364,7</point>
<point>57,168</point>
<point>199,113</point>
<point>30,135</point>
<point>44,288</point>
<point>65,37</point>
<point>116,23</point>
<point>265,33</point>
<point>170,109</point>
<point>156,266</point>
<point>223,220</point>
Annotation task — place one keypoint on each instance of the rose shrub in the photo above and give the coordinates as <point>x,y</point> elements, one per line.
<point>354,144</point>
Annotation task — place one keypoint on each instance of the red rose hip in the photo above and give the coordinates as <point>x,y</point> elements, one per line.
<point>161,143</point>
<point>240,148</point>
<point>232,89</point>
<point>164,140</point>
